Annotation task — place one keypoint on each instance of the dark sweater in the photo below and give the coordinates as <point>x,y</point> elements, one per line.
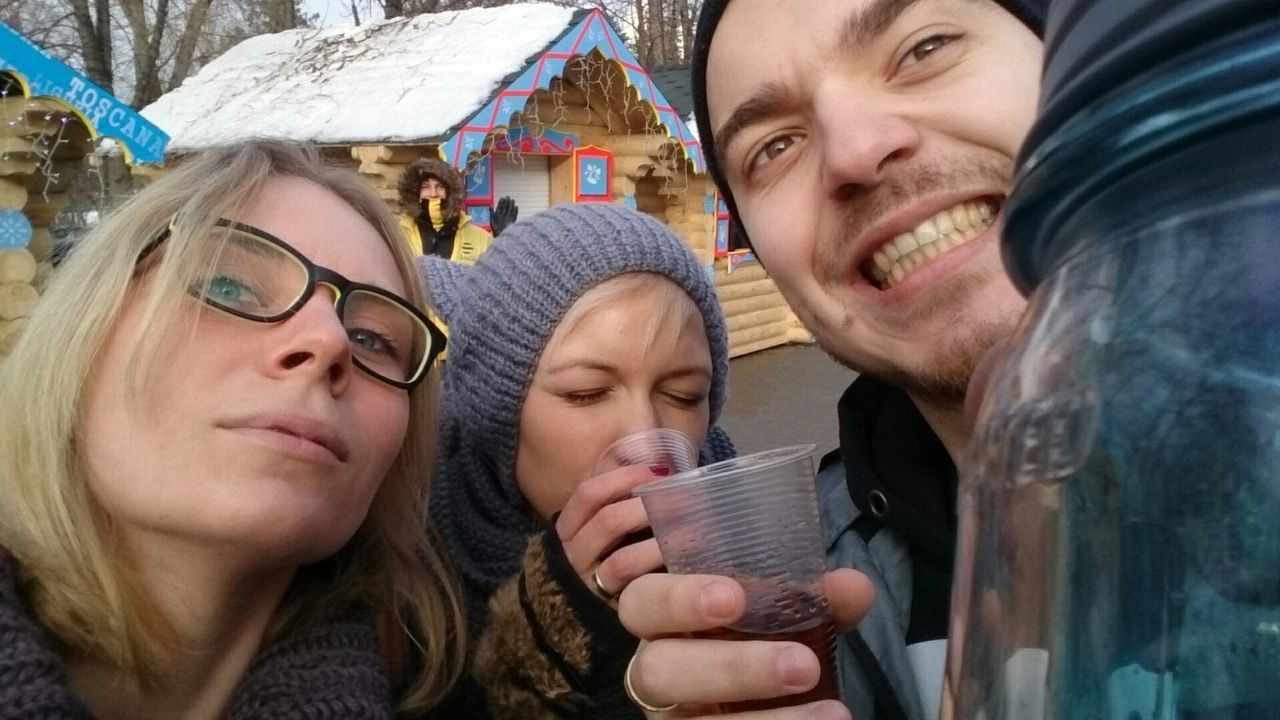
<point>331,670</point>
<point>900,476</point>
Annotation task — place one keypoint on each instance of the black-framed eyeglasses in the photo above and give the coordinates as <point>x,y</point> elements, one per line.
<point>257,276</point>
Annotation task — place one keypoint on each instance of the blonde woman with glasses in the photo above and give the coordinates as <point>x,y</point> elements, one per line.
<point>212,444</point>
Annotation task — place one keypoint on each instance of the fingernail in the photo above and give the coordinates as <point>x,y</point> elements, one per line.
<point>660,470</point>
<point>718,601</point>
<point>795,668</point>
<point>829,711</point>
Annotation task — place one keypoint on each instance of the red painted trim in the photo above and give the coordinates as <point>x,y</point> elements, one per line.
<point>582,34</point>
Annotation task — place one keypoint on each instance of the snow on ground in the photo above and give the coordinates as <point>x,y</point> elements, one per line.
<point>399,80</point>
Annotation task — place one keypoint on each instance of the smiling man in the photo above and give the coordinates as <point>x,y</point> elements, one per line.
<point>866,148</point>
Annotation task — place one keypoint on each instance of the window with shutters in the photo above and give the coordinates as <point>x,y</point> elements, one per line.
<point>526,178</point>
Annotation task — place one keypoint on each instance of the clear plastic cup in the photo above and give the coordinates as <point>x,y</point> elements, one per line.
<point>655,448</point>
<point>754,519</point>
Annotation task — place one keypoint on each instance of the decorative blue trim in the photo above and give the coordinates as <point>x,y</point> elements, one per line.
<point>548,142</point>
<point>592,33</point>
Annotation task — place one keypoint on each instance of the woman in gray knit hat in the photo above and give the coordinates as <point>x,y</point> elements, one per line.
<point>581,325</point>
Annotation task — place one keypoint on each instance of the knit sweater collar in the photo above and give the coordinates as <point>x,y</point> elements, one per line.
<point>330,670</point>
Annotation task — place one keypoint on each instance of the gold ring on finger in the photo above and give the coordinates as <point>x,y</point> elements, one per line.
<point>600,588</point>
<point>631,692</point>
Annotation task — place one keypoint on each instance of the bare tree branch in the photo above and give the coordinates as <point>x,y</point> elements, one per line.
<point>95,40</point>
<point>145,64</point>
<point>187,44</point>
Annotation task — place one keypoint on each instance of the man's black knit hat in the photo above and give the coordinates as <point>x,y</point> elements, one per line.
<point>1030,12</point>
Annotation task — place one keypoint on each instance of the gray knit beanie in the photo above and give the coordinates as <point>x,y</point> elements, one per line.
<point>443,278</point>
<point>500,315</point>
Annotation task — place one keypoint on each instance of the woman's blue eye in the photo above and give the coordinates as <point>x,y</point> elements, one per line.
<point>229,291</point>
<point>371,341</point>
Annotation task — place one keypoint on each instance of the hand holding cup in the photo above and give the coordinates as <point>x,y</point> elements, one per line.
<point>604,531</point>
<point>675,665</point>
<point>755,519</point>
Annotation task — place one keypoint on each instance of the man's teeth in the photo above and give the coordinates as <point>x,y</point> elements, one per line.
<point>904,254</point>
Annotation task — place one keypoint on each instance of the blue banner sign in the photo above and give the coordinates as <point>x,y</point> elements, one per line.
<point>47,77</point>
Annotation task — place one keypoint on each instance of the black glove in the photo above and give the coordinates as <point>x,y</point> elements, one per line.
<point>503,215</point>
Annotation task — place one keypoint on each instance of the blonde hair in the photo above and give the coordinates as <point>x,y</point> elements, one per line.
<point>668,303</point>
<point>80,590</point>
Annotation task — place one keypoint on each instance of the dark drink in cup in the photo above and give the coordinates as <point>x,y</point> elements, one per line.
<point>820,638</point>
<point>793,614</point>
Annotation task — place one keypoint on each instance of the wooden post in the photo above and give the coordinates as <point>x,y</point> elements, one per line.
<point>9,330</point>
<point>17,299</point>
<point>16,266</point>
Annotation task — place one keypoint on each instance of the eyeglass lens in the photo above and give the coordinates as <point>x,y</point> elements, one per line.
<point>256,278</point>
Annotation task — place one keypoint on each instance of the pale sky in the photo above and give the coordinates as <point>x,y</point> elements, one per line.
<point>335,12</point>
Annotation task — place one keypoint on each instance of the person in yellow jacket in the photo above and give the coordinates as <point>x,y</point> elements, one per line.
<point>431,201</point>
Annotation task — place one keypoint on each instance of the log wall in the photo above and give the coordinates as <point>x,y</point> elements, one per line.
<point>42,148</point>
<point>757,316</point>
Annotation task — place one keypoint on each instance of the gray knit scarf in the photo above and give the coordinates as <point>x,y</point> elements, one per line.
<point>332,670</point>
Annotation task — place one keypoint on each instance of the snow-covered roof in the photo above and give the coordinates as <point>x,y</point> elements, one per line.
<point>400,80</point>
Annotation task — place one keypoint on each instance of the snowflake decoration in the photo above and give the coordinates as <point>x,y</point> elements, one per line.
<point>15,230</point>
